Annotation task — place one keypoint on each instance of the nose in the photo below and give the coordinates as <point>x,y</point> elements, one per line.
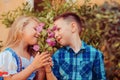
<point>38,33</point>
<point>56,34</point>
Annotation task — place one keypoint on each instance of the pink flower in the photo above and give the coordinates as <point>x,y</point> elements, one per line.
<point>49,30</point>
<point>50,33</point>
<point>36,47</point>
<point>46,41</point>
<point>42,24</point>
<point>40,27</point>
<point>51,42</point>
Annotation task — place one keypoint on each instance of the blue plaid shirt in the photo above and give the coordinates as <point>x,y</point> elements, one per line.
<point>87,64</point>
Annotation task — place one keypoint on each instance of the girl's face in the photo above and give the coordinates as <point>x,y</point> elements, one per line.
<point>30,34</point>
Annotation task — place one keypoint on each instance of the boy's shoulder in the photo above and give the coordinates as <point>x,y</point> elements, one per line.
<point>60,51</point>
<point>90,48</point>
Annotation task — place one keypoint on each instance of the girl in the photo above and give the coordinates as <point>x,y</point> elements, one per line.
<point>16,61</point>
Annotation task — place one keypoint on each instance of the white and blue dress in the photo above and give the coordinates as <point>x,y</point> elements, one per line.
<point>11,63</point>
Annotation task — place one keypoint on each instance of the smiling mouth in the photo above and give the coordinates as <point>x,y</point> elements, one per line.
<point>58,39</point>
<point>36,36</point>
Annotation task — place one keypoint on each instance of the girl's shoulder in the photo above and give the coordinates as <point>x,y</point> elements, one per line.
<point>7,57</point>
<point>5,53</point>
<point>7,62</point>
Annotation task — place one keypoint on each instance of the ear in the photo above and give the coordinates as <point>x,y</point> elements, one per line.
<point>74,26</point>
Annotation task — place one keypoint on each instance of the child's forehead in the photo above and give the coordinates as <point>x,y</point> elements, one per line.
<point>58,25</point>
<point>34,22</point>
<point>59,21</point>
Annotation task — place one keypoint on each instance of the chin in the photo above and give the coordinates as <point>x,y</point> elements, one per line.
<point>33,43</point>
<point>63,44</point>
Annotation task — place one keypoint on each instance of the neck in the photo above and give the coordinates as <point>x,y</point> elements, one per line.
<point>75,43</point>
<point>21,50</point>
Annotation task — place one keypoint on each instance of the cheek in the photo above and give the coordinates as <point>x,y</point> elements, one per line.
<point>27,36</point>
<point>66,36</point>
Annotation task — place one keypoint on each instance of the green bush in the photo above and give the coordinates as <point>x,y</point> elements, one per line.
<point>102,30</point>
<point>101,26</point>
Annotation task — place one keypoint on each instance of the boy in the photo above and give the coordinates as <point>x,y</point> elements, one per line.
<point>75,60</point>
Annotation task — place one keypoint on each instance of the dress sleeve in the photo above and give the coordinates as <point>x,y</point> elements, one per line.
<point>7,63</point>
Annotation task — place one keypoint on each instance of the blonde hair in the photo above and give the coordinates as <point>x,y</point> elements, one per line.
<point>15,35</point>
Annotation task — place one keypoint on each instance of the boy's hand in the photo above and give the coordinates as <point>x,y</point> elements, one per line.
<point>48,67</point>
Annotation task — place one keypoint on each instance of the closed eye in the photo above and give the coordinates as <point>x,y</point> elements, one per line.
<point>58,29</point>
<point>35,28</point>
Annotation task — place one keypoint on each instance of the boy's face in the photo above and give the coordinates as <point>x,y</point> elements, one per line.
<point>63,32</point>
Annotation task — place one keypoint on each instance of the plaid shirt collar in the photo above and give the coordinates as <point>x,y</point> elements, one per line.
<point>83,47</point>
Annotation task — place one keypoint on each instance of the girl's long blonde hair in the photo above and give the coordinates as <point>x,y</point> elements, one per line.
<point>14,35</point>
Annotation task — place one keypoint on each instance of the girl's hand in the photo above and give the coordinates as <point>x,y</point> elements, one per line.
<point>41,60</point>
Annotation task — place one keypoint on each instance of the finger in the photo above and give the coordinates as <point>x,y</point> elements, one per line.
<point>46,52</point>
<point>45,60</point>
<point>50,59</point>
<point>44,56</point>
<point>45,64</point>
<point>51,63</point>
<point>37,55</point>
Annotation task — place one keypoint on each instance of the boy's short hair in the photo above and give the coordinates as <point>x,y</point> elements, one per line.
<point>70,16</point>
